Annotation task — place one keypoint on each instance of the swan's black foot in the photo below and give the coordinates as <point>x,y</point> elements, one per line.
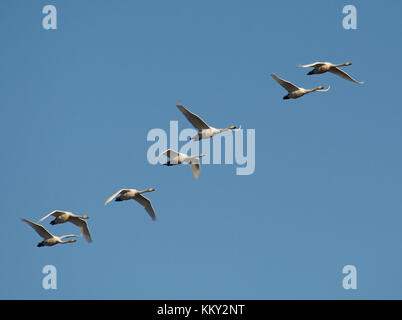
<point>285,98</point>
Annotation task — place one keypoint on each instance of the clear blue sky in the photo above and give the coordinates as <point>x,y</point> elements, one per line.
<point>77,104</point>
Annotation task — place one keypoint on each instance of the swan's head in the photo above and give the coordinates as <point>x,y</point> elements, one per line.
<point>151,189</point>
<point>201,155</point>
<point>232,127</point>
<point>73,240</point>
<point>84,217</point>
<point>320,87</point>
<point>347,64</point>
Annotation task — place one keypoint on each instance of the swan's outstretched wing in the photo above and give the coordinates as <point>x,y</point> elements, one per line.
<point>343,75</point>
<point>146,203</point>
<point>174,156</point>
<point>114,196</point>
<point>39,229</point>
<point>195,167</point>
<point>290,87</point>
<point>324,90</point>
<point>195,120</point>
<point>170,153</point>
<point>55,213</point>
<point>83,226</point>
<point>315,64</point>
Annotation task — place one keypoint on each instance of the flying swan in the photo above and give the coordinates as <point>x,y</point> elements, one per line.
<point>204,131</point>
<point>294,91</point>
<point>127,194</point>
<point>49,239</point>
<point>179,158</point>
<point>322,67</point>
<point>65,216</point>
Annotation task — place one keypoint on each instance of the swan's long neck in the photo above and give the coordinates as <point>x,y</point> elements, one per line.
<point>144,191</point>
<point>67,241</point>
<point>224,129</point>
<point>67,236</point>
<point>195,157</point>
<point>341,65</point>
<point>312,90</point>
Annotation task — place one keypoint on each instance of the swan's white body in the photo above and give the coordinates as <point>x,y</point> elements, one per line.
<point>179,158</point>
<point>295,92</point>
<point>204,131</point>
<point>48,239</point>
<point>65,216</point>
<point>128,194</point>
<point>322,67</point>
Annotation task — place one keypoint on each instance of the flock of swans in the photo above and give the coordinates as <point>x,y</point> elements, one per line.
<point>175,158</point>
<point>204,132</point>
<point>295,92</point>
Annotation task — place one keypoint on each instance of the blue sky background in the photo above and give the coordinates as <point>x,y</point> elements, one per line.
<point>77,104</point>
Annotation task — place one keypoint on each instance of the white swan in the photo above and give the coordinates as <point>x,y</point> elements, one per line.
<point>322,67</point>
<point>49,239</point>
<point>294,91</point>
<point>179,158</point>
<point>65,216</point>
<point>204,131</point>
<point>127,194</point>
